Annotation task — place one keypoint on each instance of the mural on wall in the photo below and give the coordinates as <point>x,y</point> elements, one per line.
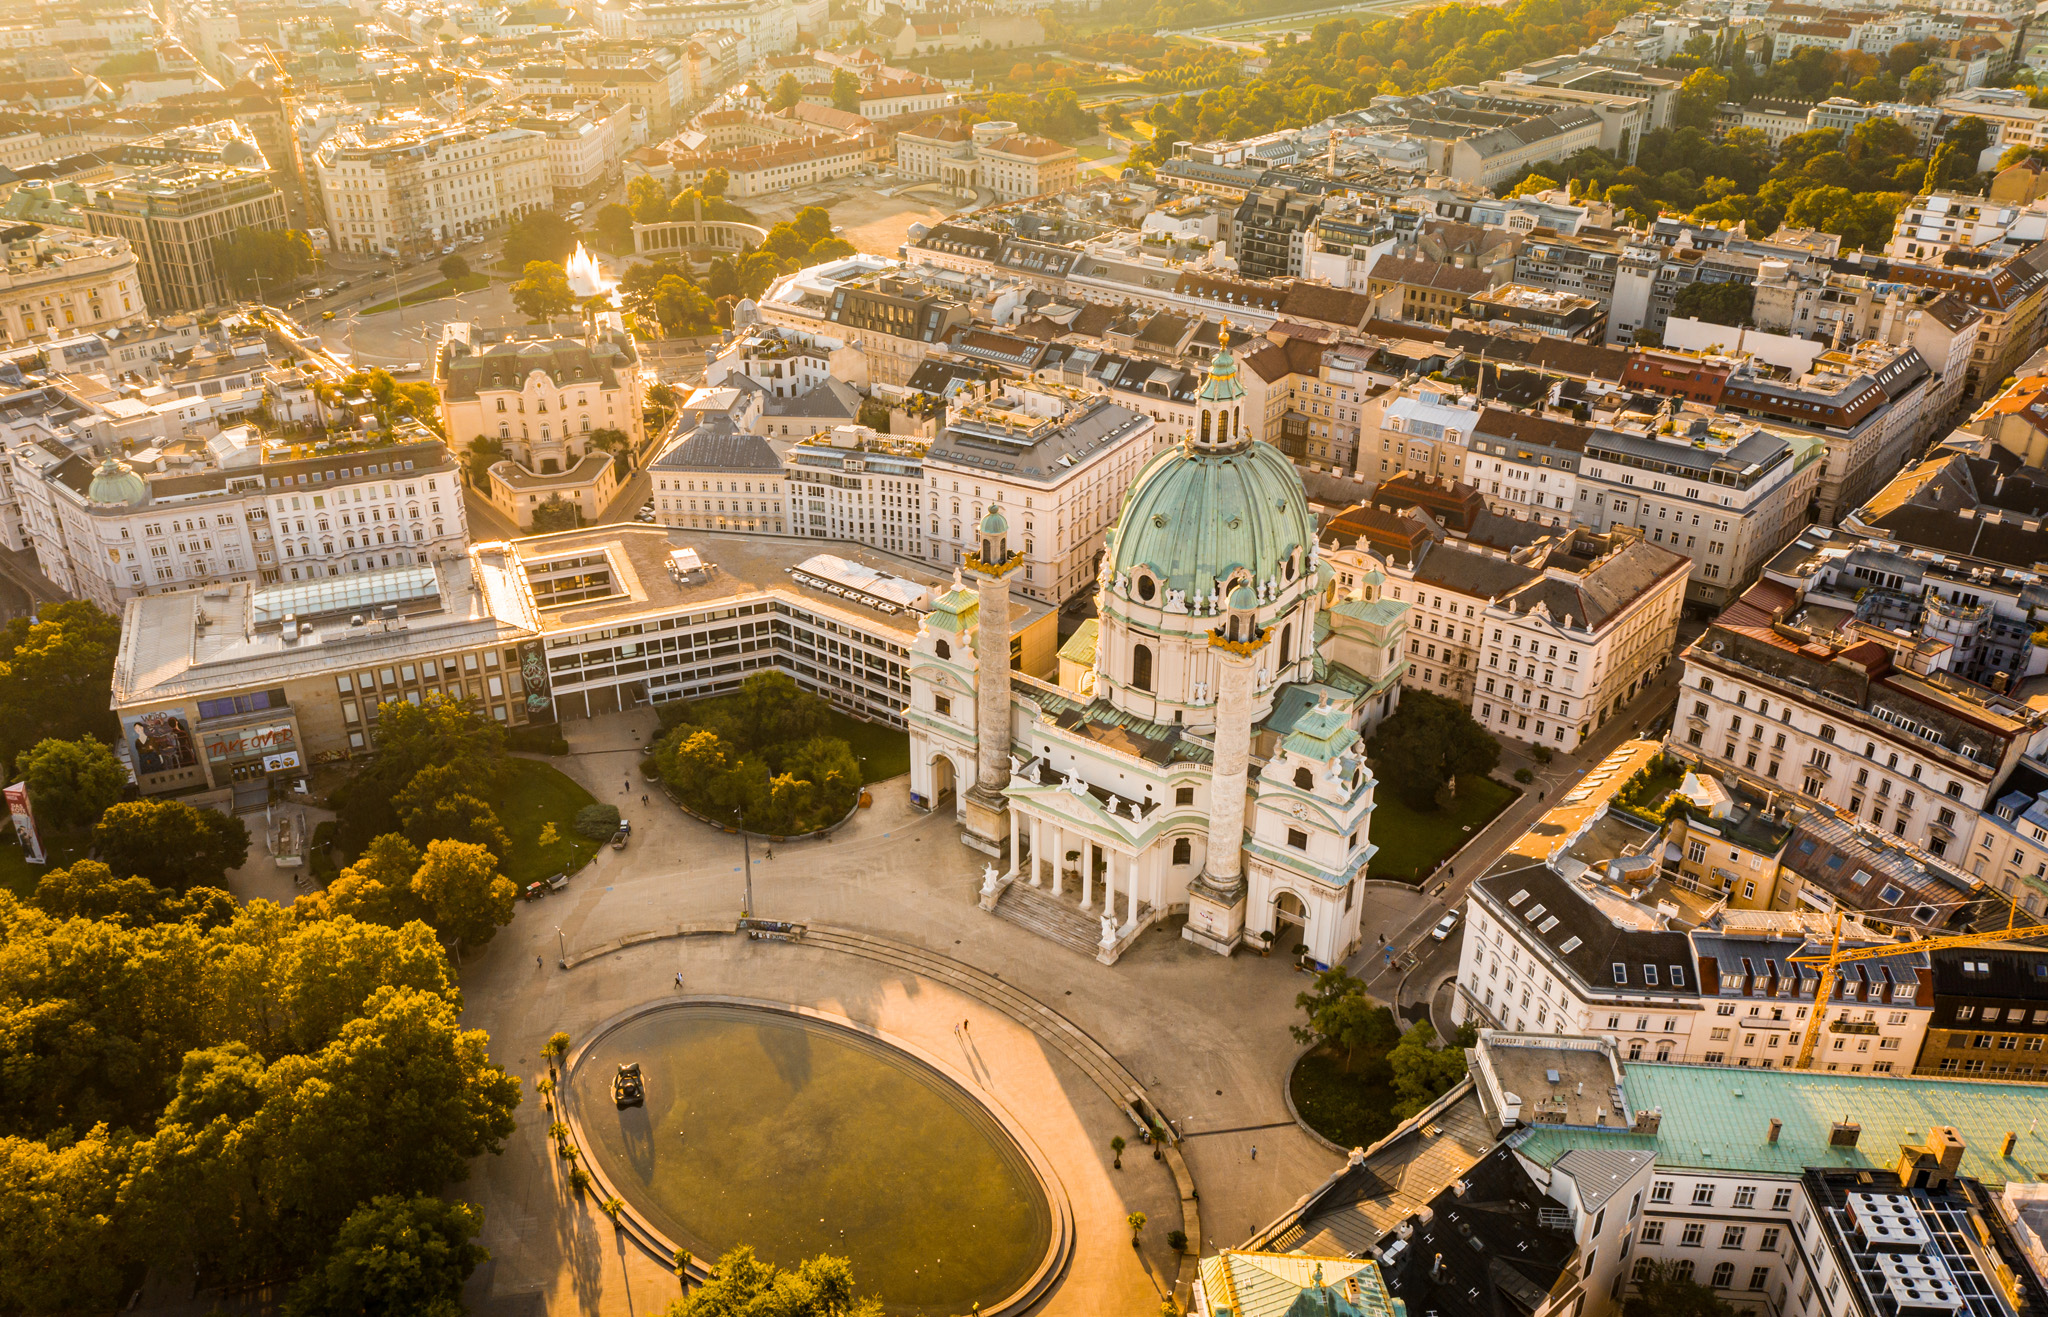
<point>533,671</point>
<point>160,742</point>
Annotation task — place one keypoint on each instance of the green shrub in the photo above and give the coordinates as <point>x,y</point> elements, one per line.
<point>1543,754</point>
<point>538,739</point>
<point>649,766</point>
<point>1524,775</point>
<point>598,822</point>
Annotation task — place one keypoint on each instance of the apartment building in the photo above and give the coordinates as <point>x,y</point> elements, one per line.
<point>2008,294</point>
<point>108,532</point>
<point>786,364</point>
<point>1882,734</point>
<point>894,318</point>
<point>656,80</point>
<point>1321,403</point>
<point>1424,292</point>
<point>1447,585</point>
<point>855,485</point>
<point>543,395</point>
<point>1272,230</point>
<point>1425,431</point>
<point>66,283</point>
<point>769,27</point>
<point>2008,849</point>
<point>755,171</point>
<point>1566,651</point>
<point>1526,464</point>
<point>585,141</point>
<point>1057,462</point>
<point>1990,1017</point>
<point>1728,499</point>
<point>715,476</point>
<point>407,188</point>
<point>173,219</point>
<point>1934,223</point>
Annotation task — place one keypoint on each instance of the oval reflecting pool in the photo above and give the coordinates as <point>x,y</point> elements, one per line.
<point>799,1137</point>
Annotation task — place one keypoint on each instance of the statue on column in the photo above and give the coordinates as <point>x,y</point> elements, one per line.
<point>988,880</point>
<point>1108,931</point>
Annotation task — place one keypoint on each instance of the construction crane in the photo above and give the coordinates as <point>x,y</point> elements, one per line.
<point>1835,958</point>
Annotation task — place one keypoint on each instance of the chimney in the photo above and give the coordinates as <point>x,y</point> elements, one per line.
<point>2005,1148</point>
<point>1844,1133</point>
<point>1646,1122</point>
<point>1776,1125</point>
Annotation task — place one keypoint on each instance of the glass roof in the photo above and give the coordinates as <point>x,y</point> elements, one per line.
<point>346,594</point>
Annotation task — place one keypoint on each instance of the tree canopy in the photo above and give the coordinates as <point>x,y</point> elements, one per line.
<point>543,292</point>
<point>1425,744</point>
<point>195,1086</point>
<point>262,261</point>
<point>71,783</point>
<point>54,676</point>
<point>170,843</point>
<point>395,1256</point>
<point>742,1285</point>
<point>762,752</point>
<point>1341,1015</point>
<point>540,236</point>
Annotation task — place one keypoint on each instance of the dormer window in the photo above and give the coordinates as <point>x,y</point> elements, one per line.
<point>1620,973</point>
<point>1650,975</point>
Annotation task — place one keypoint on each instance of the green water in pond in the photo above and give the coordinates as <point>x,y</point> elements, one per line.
<point>800,1137</point>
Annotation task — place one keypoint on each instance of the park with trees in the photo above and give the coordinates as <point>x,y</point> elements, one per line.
<point>1434,763</point>
<point>1363,1074</point>
<point>765,755</point>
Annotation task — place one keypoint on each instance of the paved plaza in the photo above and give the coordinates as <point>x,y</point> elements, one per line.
<point>1207,1037</point>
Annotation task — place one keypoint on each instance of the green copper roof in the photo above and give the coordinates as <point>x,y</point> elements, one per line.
<point>1222,384</point>
<point>1195,517</point>
<point>1080,647</point>
<point>1719,1118</point>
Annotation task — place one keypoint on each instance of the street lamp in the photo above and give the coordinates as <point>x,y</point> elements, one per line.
<point>747,855</point>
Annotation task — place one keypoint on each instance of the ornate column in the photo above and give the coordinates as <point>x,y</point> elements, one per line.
<point>1216,899</point>
<point>1059,858</point>
<point>984,804</point>
<point>1037,847</point>
<point>1087,873</point>
<point>1016,851</point>
<point>1131,864</point>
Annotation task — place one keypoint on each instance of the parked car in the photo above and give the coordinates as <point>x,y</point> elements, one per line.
<point>1444,926</point>
<point>339,284</point>
<point>626,826</point>
<point>619,840</point>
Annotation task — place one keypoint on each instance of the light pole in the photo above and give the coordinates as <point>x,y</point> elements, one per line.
<point>562,944</point>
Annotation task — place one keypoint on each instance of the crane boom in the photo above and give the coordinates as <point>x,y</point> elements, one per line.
<point>1835,958</point>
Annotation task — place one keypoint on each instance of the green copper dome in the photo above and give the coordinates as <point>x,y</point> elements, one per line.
<point>1194,517</point>
<point>115,484</point>
<point>993,524</point>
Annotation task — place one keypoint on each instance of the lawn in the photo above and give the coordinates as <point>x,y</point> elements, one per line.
<point>884,750</point>
<point>472,282</point>
<point>1092,151</point>
<point>1412,844</point>
<point>20,877</point>
<point>537,794</point>
<point>1344,1109</point>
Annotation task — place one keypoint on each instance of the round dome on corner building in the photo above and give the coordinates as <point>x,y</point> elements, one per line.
<point>115,484</point>
<point>994,524</point>
<point>1194,517</point>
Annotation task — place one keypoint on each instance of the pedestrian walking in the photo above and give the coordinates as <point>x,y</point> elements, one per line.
<point>643,797</point>
<point>536,962</point>
<point>1255,1152</point>
<point>679,978</point>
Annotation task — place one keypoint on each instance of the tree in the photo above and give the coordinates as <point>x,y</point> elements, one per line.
<point>440,729</point>
<point>54,675</point>
<point>597,821</point>
<point>846,92</point>
<point>438,803</point>
<point>788,91</point>
<point>454,269</point>
<point>1924,85</point>
<point>614,226</point>
<point>1421,1073</point>
<point>543,292</point>
<point>678,305</point>
<point>1728,303</point>
<point>540,236</point>
<point>90,890</point>
<point>466,899</point>
<point>395,1256</point>
<point>71,783</point>
<point>170,843</point>
<point>1664,1291</point>
<point>376,889</point>
<point>648,200</point>
<point>742,1285</point>
<point>716,181</point>
<point>1699,99</point>
<point>1426,742</point>
<point>479,455</point>
<point>555,513</point>
<point>1341,1015</point>
<point>61,1251</point>
<point>259,261</point>
<point>813,224</point>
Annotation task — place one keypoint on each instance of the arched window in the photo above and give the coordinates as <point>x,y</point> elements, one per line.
<point>1141,667</point>
<point>1287,643</point>
<point>1304,779</point>
<point>945,650</point>
<point>1183,850</point>
<point>1205,426</point>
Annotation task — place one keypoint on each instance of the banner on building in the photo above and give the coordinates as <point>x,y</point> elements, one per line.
<point>243,742</point>
<point>25,824</point>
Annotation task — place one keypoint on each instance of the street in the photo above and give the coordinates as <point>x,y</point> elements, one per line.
<point>1409,973</point>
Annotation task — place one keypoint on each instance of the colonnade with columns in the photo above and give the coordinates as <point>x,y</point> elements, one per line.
<point>1038,847</point>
